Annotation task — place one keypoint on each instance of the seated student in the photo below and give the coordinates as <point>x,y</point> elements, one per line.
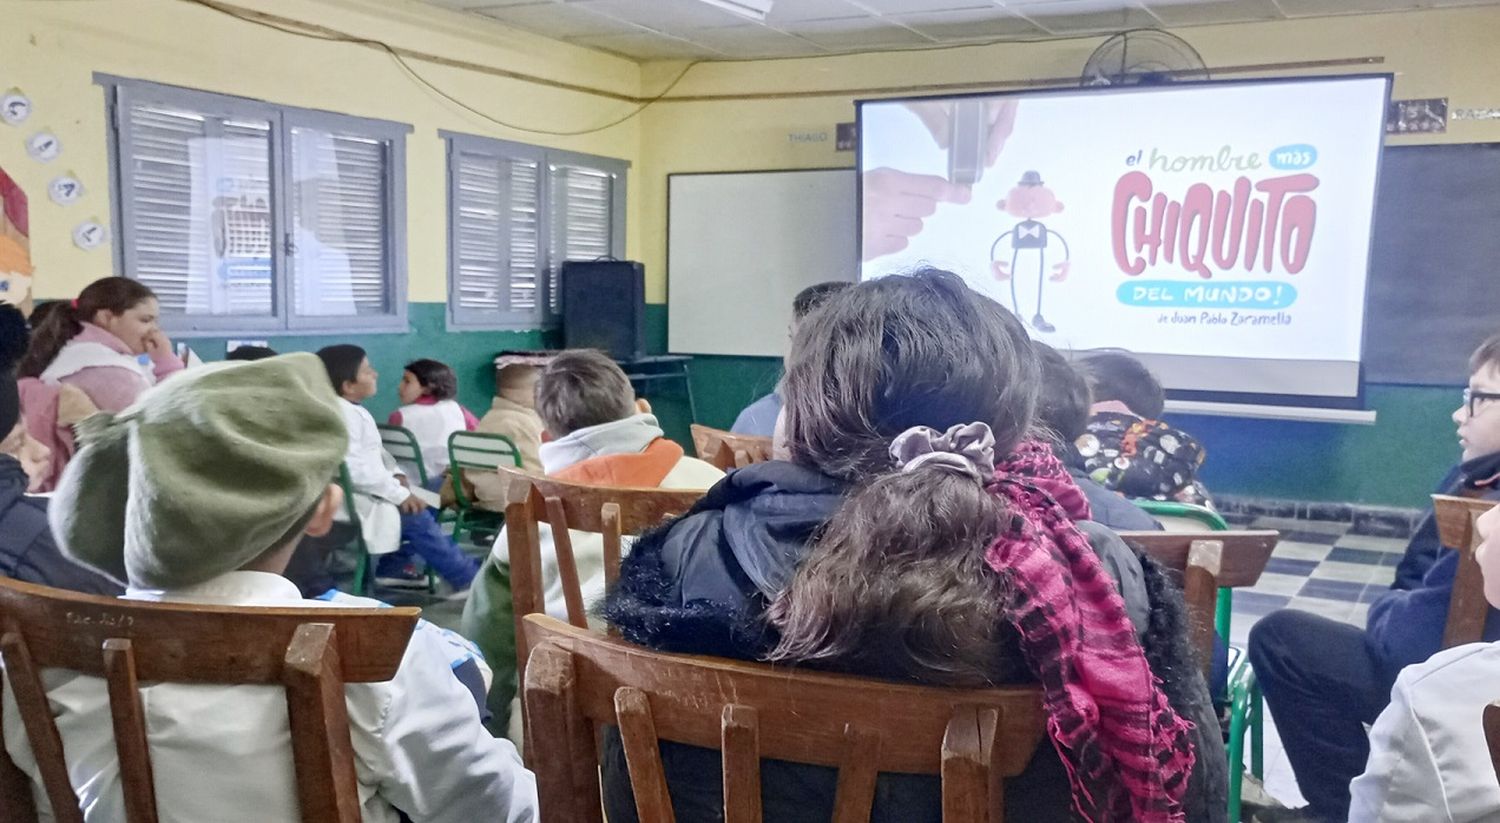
<point>1063,407</point>
<point>27,550</point>
<point>1478,472</point>
<point>48,412</point>
<point>219,532</point>
<point>594,435</point>
<point>759,418</point>
<point>919,473</point>
<point>250,353</point>
<point>429,411</point>
<point>106,343</point>
<point>1127,448</point>
<point>1429,761</point>
<point>396,522</point>
<point>513,413</point>
<point>1324,680</point>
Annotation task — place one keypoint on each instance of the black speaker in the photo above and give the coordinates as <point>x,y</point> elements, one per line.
<point>604,307</point>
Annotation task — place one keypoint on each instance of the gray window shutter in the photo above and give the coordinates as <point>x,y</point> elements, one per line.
<point>581,218</point>
<point>245,216</point>
<point>196,192</point>
<point>495,254</point>
<point>339,253</point>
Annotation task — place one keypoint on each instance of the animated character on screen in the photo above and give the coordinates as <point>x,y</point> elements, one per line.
<point>1030,200</point>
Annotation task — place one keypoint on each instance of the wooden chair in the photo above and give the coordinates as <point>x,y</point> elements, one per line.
<point>1467,608</point>
<point>975,739</point>
<point>727,450</point>
<point>312,652</point>
<point>609,511</point>
<point>1211,562</point>
<point>1206,562</point>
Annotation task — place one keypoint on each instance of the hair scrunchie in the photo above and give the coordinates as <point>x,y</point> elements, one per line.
<point>967,449</point>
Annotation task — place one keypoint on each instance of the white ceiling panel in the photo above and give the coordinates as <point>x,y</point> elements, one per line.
<point>631,43</point>
<point>1087,16</point>
<point>754,41</point>
<point>798,10</point>
<point>672,18</point>
<point>557,20</point>
<point>858,34</point>
<point>917,6</point>
<point>969,24</point>
<point>675,29</point>
<point>1212,13</point>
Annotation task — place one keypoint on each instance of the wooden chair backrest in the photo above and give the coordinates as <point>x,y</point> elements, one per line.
<point>1206,562</point>
<point>973,738</point>
<point>1467,608</point>
<point>312,652</point>
<point>727,450</point>
<point>610,511</point>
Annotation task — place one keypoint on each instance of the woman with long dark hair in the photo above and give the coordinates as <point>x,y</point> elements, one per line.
<point>919,532</point>
<point>106,342</point>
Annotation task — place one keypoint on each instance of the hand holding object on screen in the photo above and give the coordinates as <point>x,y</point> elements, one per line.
<point>896,202</point>
<point>999,118</point>
<point>1060,271</point>
<point>1000,270</point>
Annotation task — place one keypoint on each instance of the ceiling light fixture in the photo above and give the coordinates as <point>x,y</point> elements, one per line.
<point>753,9</point>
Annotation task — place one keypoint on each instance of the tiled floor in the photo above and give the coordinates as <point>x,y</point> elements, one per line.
<point>1320,568</point>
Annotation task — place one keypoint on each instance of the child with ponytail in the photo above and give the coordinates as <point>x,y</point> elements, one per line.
<point>106,343</point>
<point>918,532</point>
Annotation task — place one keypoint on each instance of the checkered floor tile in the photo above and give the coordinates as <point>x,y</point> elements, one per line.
<point>1317,567</point>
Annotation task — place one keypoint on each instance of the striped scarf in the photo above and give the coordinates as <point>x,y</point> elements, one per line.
<point>1127,753</point>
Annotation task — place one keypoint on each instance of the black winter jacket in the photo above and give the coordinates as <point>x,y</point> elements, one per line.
<point>27,550</point>
<point>701,584</point>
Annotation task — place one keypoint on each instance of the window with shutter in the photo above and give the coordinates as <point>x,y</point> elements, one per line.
<point>516,212</point>
<point>581,218</point>
<point>245,216</point>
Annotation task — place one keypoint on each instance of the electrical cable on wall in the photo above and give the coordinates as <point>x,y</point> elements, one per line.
<point>416,76</point>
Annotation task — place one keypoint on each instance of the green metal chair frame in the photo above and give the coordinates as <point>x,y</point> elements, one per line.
<point>403,445</point>
<point>482,451</point>
<point>1242,694</point>
<point>362,568</point>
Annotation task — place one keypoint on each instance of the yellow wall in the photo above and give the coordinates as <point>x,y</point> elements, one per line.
<point>1433,54</point>
<point>52,49</point>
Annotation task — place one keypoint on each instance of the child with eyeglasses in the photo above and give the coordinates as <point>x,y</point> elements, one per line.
<point>1325,680</point>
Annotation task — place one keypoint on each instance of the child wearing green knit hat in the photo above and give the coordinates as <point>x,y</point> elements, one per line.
<point>199,492</point>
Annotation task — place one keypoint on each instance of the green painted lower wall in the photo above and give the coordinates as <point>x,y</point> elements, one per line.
<point>1394,462</point>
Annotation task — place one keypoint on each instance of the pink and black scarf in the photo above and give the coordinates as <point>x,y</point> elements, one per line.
<point>1128,754</point>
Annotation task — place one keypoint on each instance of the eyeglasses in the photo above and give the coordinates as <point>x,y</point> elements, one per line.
<point>1473,398</point>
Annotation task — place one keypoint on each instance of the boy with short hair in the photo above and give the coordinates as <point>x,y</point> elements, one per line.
<point>1324,680</point>
<point>140,503</point>
<point>395,520</point>
<point>594,435</point>
<point>1063,406</point>
<point>1127,448</point>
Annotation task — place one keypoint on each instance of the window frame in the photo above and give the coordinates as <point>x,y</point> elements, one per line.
<point>121,93</point>
<point>540,318</point>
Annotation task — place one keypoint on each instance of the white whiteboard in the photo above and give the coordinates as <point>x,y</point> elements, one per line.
<point>741,245</point>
